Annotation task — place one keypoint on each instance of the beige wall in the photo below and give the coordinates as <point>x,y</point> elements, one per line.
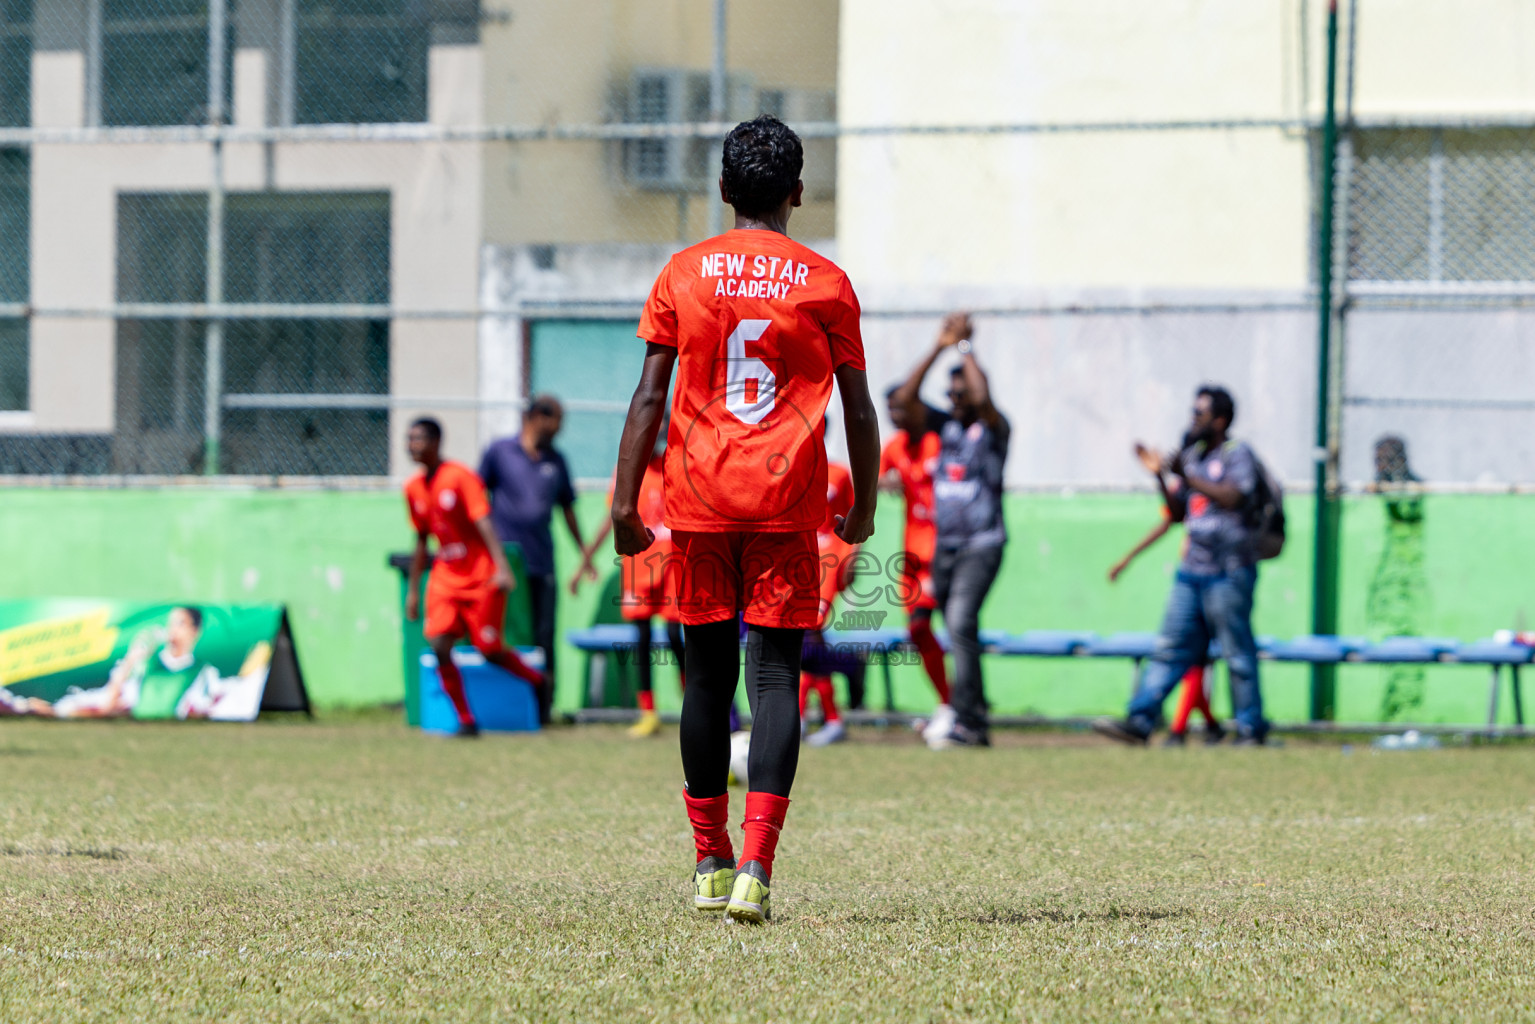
<point>554,63</point>
<point>1187,209</point>
<point>1175,209</point>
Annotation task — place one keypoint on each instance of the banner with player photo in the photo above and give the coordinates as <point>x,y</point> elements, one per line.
<point>85,658</point>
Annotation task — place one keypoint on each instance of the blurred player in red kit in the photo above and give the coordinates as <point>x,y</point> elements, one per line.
<point>466,595</point>
<point>649,583</point>
<point>906,465</point>
<point>819,659</point>
<point>757,327</point>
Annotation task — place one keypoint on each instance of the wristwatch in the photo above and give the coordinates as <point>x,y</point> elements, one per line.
<point>963,348</point>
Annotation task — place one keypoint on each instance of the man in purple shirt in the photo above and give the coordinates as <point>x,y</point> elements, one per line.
<point>526,478</point>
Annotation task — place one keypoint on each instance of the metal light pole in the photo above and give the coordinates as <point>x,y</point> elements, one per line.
<point>717,113</point>
<point>213,330</point>
<point>1324,565</point>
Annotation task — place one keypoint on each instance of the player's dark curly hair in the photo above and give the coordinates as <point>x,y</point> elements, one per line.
<point>430,425</point>
<point>762,163</point>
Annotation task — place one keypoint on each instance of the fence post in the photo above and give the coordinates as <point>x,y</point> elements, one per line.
<point>213,330</point>
<point>1324,565</point>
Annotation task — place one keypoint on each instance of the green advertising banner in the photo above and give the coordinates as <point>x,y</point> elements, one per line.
<point>85,658</point>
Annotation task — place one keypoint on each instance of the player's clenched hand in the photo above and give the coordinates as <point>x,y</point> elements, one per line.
<point>503,580</point>
<point>630,534</point>
<point>956,328</point>
<point>412,606</point>
<point>857,526</point>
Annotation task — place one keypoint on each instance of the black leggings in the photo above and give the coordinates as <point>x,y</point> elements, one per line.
<point>713,653</point>
<point>643,651</point>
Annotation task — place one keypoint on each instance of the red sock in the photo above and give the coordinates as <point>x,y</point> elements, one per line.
<point>828,695</point>
<point>764,820</point>
<point>510,660</point>
<point>805,682</point>
<point>710,817</point>
<point>932,656</point>
<point>453,686</point>
<point>647,699</point>
<point>1196,677</point>
<point>1192,696</point>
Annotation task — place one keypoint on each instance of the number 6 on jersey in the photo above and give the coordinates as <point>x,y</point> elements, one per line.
<point>750,387</point>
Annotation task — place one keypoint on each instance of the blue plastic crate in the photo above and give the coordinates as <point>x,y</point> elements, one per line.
<point>500,701</point>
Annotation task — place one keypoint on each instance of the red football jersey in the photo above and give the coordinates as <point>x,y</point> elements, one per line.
<point>836,553</point>
<point>760,324</point>
<point>447,507</point>
<point>915,465</point>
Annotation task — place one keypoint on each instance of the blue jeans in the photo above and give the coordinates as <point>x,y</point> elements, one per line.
<point>1199,609</point>
<point>961,581</point>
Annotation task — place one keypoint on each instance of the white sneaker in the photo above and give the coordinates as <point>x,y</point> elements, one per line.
<point>941,724</point>
<point>831,732</point>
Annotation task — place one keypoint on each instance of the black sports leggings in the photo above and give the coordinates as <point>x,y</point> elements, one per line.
<point>643,651</point>
<point>713,654</point>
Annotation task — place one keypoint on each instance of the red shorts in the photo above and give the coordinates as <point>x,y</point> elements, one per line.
<point>916,586</point>
<point>774,578</point>
<point>478,614</point>
<point>650,584</point>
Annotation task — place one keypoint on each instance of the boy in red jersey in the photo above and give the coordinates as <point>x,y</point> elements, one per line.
<point>757,327</point>
<point>470,578</point>
<point>819,660</point>
<point>906,464</point>
<point>649,583</point>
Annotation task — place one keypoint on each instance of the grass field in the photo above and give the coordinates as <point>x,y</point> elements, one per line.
<point>349,870</point>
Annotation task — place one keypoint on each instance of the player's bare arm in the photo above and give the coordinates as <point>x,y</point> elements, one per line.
<point>587,570</point>
<point>1223,494</point>
<point>646,410</point>
<point>1155,534</point>
<point>1157,465</point>
<point>863,453</point>
<point>956,328</point>
<point>503,578</point>
<point>574,525</point>
<point>413,582</point>
<point>976,383</point>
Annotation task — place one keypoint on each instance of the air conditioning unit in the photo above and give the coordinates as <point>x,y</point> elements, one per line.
<point>678,96</point>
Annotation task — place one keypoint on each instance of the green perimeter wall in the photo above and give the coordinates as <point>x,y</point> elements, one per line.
<point>323,554</point>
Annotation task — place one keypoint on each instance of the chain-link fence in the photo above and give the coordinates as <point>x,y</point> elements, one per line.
<point>255,237</point>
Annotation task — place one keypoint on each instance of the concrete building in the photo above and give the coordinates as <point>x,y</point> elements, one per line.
<point>361,196</point>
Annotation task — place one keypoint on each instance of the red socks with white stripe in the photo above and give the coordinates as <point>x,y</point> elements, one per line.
<point>764,820</point>
<point>710,817</point>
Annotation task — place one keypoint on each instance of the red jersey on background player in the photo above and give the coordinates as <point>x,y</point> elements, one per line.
<point>466,595</point>
<point>649,589</point>
<point>757,326</point>
<point>907,463</point>
<point>820,660</point>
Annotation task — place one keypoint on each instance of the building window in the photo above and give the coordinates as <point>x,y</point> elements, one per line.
<point>561,358</point>
<point>154,62</point>
<point>15,220</point>
<point>361,61</point>
<point>1442,206</point>
<point>15,63</point>
<point>297,396</point>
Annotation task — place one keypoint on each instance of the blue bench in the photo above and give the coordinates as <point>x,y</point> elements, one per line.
<point>1137,647</point>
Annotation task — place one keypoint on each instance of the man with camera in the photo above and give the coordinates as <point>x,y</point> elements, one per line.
<point>1212,595</point>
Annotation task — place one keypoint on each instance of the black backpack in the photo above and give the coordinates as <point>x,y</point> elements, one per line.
<point>1265,512</point>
